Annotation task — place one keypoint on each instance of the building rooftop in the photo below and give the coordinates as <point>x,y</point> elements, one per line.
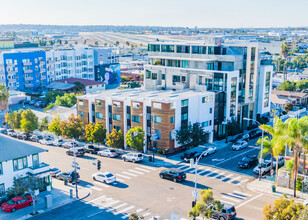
<point>279,99</point>
<point>298,95</point>
<point>11,149</point>
<point>85,82</point>
<point>165,96</point>
<point>60,86</point>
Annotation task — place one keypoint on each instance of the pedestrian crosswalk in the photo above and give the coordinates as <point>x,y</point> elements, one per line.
<point>118,208</point>
<point>223,176</point>
<point>235,196</point>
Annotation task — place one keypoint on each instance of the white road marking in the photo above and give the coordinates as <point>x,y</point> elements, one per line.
<point>231,158</point>
<point>236,196</point>
<point>102,184</point>
<point>150,168</point>
<point>111,203</point>
<point>124,210</point>
<point>219,174</point>
<point>234,179</point>
<point>101,197</point>
<point>136,171</point>
<point>226,202</point>
<point>125,177</point>
<point>127,173</point>
<point>146,214</point>
<point>114,208</point>
<point>244,194</point>
<point>235,200</point>
<point>139,210</point>
<point>243,181</point>
<point>93,187</point>
<point>210,173</point>
<point>120,180</point>
<point>188,168</point>
<point>203,171</point>
<point>142,169</point>
<point>226,177</point>
<point>182,166</point>
<point>249,200</point>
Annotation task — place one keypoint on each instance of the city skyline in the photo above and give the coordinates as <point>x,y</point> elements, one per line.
<point>203,14</point>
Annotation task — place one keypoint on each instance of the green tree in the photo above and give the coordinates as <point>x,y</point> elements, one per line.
<point>52,95</point>
<point>89,132</point>
<point>44,124</point>
<point>79,86</point>
<point>99,133</point>
<point>29,121</point>
<point>123,79</point>
<point>301,85</point>
<point>73,128</point>
<point>68,100</point>
<point>13,119</point>
<point>285,49</point>
<point>137,142</point>
<point>198,135</point>
<point>4,98</point>
<point>96,43</point>
<point>135,216</point>
<point>183,135</point>
<point>287,86</point>
<point>115,139</point>
<point>54,125</point>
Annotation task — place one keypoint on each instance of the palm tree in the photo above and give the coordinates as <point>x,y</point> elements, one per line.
<point>4,98</point>
<point>285,49</point>
<point>297,132</point>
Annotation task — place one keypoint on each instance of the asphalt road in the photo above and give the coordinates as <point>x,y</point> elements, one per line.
<point>140,189</point>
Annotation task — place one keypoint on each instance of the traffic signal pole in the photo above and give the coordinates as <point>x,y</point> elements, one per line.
<point>75,170</point>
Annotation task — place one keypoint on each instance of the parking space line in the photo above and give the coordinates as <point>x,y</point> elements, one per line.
<point>136,171</point>
<point>125,177</point>
<point>142,169</point>
<point>235,200</point>
<point>130,174</point>
<point>114,208</point>
<point>244,194</point>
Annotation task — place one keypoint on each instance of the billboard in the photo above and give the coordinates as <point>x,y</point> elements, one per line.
<point>108,73</point>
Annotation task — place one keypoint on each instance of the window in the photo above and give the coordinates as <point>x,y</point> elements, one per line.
<point>154,75</point>
<point>135,118</point>
<point>116,117</point>
<point>167,48</point>
<point>182,49</point>
<point>156,105</point>
<point>2,190</point>
<point>158,134</point>
<point>128,116</point>
<point>205,124</point>
<point>184,63</point>
<point>99,115</point>
<point>172,119</point>
<point>80,102</point>
<point>205,99</point>
<point>171,136</point>
<point>81,114</point>
<point>211,98</point>
<point>211,110</point>
<point>116,104</point>
<point>184,116</point>
<point>148,74</point>
<point>118,128</point>
<point>35,160</point>
<point>176,79</point>
<point>184,103</point>
<point>163,76</point>
<point>157,119</point>
<point>1,170</point>
<point>98,102</point>
<point>19,164</point>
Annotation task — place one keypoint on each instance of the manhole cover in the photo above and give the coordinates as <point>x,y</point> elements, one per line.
<point>171,188</point>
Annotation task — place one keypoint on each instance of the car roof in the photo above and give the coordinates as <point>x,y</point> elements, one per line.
<point>105,173</point>
<point>17,198</point>
<point>175,169</point>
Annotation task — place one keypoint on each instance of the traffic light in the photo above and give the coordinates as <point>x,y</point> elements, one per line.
<point>193,204</point>
<point>99,165</point>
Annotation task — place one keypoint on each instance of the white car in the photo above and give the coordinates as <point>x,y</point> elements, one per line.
<point>239,145</point>
<point>133,157</point>
<point>209,151</point>
<point>104,177</point>
<point>280,161</point>
<point>108,153</point>
<point>266,167</point>
<point>47,141</point>
<point>58,142</point>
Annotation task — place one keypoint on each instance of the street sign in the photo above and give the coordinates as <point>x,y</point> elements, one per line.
<point>195,194</point>
<point>75,163</point>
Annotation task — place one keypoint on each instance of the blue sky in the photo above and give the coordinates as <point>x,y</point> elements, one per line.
<point>186,13</point>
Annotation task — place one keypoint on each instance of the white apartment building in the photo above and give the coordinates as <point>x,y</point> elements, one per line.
<point>159,112</point>
<point>63,63</point>
<point>232,71</point>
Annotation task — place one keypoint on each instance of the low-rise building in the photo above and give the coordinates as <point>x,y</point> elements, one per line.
<point>20,160</point>
<point>90,86</point>
<point>157,112</point>
<point>297,98</point>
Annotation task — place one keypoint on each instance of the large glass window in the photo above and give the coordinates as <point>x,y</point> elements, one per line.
<point>35,160</point>
<point>154,75</point>
<point>116,117</point>
<point>167,48</point>
<point>154,47</point>
<point>184,116</point>
<point>135,118</point>
<point>184,103</point>
<point>157,119</point>
<point>198,49</point>
<point>175,79</point>
<point>184,63</point>
<point>1,169</point>
<point>19,164</point>
<point>182,49</point>
<point>158,134</point>
<point>218,82</point>
<point>81,114</point>
<point>99,115</point>
<point>172,119</point>
<point>148,74</point>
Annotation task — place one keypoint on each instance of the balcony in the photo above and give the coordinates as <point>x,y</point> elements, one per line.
<point>27,63</point>
<point>28,78</point>
<point>50,61</point>
<point>43,77</point>
<point>10,64</point>
<point>201,88</point>
<point>42,70</point>
<point>42,62</point>
<point>29,85</point>
<point>11,72</point>
<point>12,80</point>
<point>39,169</point>
<point>28,71</point>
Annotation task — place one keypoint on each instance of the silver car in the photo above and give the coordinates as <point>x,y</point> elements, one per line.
<point>133,157</point>
<point>108,153</point>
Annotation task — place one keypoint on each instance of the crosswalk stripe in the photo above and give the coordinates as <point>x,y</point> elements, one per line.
<point>102,184</point>
<point>146,214</point>
<point>150,168</point>
<point>142,169</point>
<point>226,197</point>
<point>244,194</point>
<point>130,174</point>
<point>188,168</point>
<point>219,174</point>
<point>202,172</point>
<point>243,181</point>
<point>136,171</point>
<point>139,210</point>
<point>124,210</point>
<point>114,208</point>
<point>236,196</point>
<point>125,177</point>
<point>101,197</point>
<point>236,178</point>
<point>226,177</point>
<point>93,187</point>
<point>210,173</point>
<point>182,166</point>
<point>120,180</point>
<point>111,203</point>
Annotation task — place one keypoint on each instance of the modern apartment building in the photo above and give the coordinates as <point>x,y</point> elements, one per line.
<point>158,112</point>
<point>242,86</point>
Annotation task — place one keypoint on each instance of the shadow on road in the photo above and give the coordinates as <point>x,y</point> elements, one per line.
<point>192,184</point>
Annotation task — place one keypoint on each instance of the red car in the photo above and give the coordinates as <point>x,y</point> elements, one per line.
<point>17,202</point>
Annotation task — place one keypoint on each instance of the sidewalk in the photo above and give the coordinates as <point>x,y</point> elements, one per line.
<point>265,186</point>
<point>60,197</point>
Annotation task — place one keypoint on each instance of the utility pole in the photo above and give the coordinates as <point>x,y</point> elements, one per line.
<point>75,169</point>
<point>153,136</point>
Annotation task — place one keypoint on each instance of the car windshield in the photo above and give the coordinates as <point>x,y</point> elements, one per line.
<point>112,151</point>
<point>232,209</point>
<point>10,202</point>
<point>139,155</point>
<point>245,159</point>
<point>109,175</point>
<point>263,165</point>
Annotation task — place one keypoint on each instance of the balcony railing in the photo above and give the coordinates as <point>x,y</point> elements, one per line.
<point>42,62</point>
<point>39,168</point>
<point>29,85</point>
<point>28,71</point>
<point>27,63</point>
<point>28,78</point>
<point>43,77</point>
<point>11,72</point>
<point>10,64</point>
<point>42,70</point>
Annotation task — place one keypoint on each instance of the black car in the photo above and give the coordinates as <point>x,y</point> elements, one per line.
<point>79,152</point>
<point>91,149</point>
<point>173,174</point>
<point>186,157</point>
<point>69,175</point>
<point>255,133</point>
<point>35,138</point>
<point>248,161</point>
<point>24,135</point>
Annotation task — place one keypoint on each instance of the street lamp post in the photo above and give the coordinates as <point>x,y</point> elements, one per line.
<point>75,169</point>
<point>260,172</point>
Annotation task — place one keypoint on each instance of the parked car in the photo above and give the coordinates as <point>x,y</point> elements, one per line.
<point>108,153</point>
<point>3,130</point>
<point>36,138</point>
<point>187,156</point>
<point>239,145</point>
<point>24,135</point>
<point>104,177</point>
<point>54,171</point>
<point>42,105</point>
<point>173,174</point>
<point>208,151</point>
<point>25,101</point>
<point>32,102</point>
<point>12,133</point>
<point>69,145</point>
<point>248,161</point>
<point>69,175</point>
<point>280,161</point>
<point>79,152</point>
<point>90,148</point>
<point>241,137</point>
<point>133,157</point>
<point>37,104</point>
<point>266,167</point>
<point>227,212</point>
<point>255,133</point>
<point>47,141</point>
<point>16,203</point>
<point>58,142</point>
